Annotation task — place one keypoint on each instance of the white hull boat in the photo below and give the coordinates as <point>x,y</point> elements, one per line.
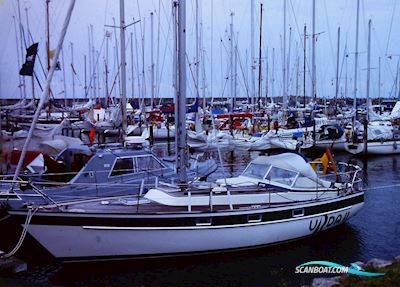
<point>276,199</point>
<point>88,240</point>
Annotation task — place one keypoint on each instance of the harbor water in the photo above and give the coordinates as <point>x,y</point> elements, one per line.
<point>373,233</point>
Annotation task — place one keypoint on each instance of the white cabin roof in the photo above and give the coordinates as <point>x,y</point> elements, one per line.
<point>289,161</point>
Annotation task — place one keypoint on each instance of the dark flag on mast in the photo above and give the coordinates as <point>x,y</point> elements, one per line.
<point>27,67</point>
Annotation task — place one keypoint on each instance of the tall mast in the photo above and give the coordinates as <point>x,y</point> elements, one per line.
<point>85,69</point>
<point>90,65</point>
<point>212,55</point>
<point>337,67</point>
<point>132,68</point>
<point>18,56</point>
<point>203,66</point>
<point>288,65</point>
<point>235,74</point>
<point>297,80</point>
<point>123,65</point>
<point>356,57</point>
<point>314,68</point>
<point>266,77</point>
<point>346,76</point>
<point>64,83</point>
<point>48,34</point>
<point>284,57</point>
<point>181,93</point>
<point>106,65</point>
<point>379,78</point>
<point>152,59</point>
<point>231,63</point>
<point>273,76</point>
<point>29,32</point>
<point>72,72</point>
<point>304,66</point>
<point>368,65</point>
<point>259,58</point>
<point>94,66</point>
<point>253,68</point>
<point>197,64</point>
<point>48,40</point>
<point>21,38</point>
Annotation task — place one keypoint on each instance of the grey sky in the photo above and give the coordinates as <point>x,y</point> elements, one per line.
<point>215,18</point>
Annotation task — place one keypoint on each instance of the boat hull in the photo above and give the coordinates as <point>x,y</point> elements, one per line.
<point>87,241</point>
<point>378,148</point>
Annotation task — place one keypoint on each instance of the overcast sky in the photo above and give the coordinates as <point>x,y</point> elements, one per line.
<point>215,45</point>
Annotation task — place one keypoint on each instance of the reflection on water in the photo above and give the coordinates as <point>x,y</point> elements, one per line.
<point>374,232</point>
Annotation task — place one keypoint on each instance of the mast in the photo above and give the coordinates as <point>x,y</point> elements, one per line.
<point>235,74</point>
<point>152,59</point>
<point>288,65</point>
<point>273,76</point>
<point>64,83</point>
<point>181,95</point>
<point>368,65</point>
<point>304,66</point>
<point>259,58</point>
<point>18,58</point>
<point>203,67</point>
<point>90,65</point>
<point>21,38</point>
<point>266,78</point>
<point>212,55</point>
<point>29,32</point>
<point>314,68</point>
<point>93,75</point>
<point>197,64</point>
<point>379,79</point>
<point>86,88</point>
<point>231,63</point>
<point>337,67</point>
<point>48,34</point>
<point>252,54</point>
<point>297,79</point>
<point>123,65</point>
<point>284,57</point>
<point>45,93</point>
<point>72,72</point>
<point>132,68</point>
<point>106,65</point>
<point>356,57</point>
<point>346,90</point>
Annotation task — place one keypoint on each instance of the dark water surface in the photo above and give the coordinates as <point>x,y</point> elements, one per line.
<point>373,232</point>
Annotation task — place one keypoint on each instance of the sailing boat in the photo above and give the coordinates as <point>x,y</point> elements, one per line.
<point>287,200</point>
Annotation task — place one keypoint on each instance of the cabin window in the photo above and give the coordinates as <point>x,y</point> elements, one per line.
<point>146,163</point>
<point>298,212</point>
<point>281,175</point>
<point>122,166</point>
<point>253,218</point>
<point>256,170</point>
<point>203,221</point>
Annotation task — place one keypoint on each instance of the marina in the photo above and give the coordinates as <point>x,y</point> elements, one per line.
<point>215,176</point>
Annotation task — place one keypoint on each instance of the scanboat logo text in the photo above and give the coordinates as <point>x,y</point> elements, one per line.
<point>326,267</point>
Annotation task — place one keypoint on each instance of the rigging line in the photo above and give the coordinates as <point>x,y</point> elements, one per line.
<point>167,47</point>
<point>161,72</point>
<point>329,34</point>
<point>300,36</point>
<point>390,27</point>
<point>241,69</point>
<point>96,64</point>
<point>193,78</point>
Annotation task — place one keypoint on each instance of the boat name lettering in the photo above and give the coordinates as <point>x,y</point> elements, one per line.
<point>317,225</point>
